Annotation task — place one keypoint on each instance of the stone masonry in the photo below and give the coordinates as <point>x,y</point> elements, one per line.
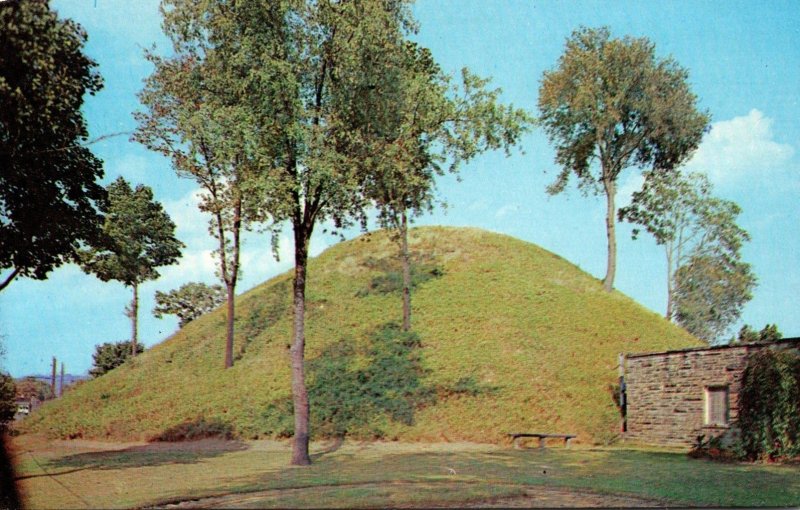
<point>667,392</point>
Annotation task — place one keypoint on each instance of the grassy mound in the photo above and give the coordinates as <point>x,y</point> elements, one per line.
<point>507,337</point>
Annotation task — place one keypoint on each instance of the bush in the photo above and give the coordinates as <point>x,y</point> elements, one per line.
<point>711,449</point>
<point>769,406</point>
<point>111,355</point>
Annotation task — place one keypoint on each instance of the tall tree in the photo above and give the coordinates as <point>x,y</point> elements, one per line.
<point>194,116</point>
<point>610,104</point>
<point>430,126</point>
<point>47,172</point>
<point>305,68</point>
<point>683,215</point>
<point>189,302</point>
<point>137,238</point>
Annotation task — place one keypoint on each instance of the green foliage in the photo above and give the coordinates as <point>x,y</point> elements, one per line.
<point>748,335</point>
<point>769,406</point>
<point>48,182</point>
<point>109,356</point>
<point>710,293</point>
<point>712,448</point>
<point>700,235</point>
<point>189,302</point>
<point>201,428</point>
<point>138,237</point>
<point>611,101</point>
<point>8,402</point>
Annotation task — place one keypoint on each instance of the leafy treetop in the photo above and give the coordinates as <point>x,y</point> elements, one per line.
<point>189,302</point>
<point>611,101</point>
<point>48,184</point>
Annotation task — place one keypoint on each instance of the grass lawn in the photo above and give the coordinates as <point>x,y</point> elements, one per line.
<point>82,474</point>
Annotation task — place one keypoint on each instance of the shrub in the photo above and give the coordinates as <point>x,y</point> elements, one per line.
<point>769,406</point>
<point>711,449</point>
<point>111,355</point>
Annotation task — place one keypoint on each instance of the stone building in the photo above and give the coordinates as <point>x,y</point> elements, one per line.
<point>673,397</point>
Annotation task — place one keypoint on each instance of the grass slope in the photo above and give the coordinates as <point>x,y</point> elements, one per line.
<point>535,338</point>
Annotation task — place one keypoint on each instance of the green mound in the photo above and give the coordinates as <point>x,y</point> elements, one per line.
<point>507,338</point>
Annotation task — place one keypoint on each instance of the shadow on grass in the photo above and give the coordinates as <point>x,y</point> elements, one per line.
<point>356,390</point>
<point>155,454</point>
<point>668,478</point>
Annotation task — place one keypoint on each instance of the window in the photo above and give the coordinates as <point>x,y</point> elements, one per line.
<point>716,406</point>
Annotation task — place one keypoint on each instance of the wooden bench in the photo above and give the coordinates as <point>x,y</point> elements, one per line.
<point>516,435</point>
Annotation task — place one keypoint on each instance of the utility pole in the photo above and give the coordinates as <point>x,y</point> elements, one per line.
<point>61,386</point>
<point>53,378</point>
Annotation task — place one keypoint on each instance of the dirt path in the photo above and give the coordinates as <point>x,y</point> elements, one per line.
<point>534,497</point>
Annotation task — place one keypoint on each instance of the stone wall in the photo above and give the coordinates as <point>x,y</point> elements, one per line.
<point>666,392</point>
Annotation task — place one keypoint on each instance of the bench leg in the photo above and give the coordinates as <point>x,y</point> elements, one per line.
<point>566,442</point>
<point>517,446</point>
<point>541,443</point>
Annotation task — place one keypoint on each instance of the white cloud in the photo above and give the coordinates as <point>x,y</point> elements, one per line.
<point>740,146</point>
<point>506,210</point>
<point>632,183</point>
<point>192,224</point>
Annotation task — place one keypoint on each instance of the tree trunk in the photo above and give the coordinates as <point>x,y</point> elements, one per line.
<point>300,455</point>
<point>134,319</point>
<point>670,288</point>
<point>229,332</point>
<point>406,259</point>
<point>611,267</point>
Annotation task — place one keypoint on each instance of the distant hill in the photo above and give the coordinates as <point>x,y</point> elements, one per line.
<point>510,338</point>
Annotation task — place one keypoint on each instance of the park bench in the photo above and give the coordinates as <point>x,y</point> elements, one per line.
<point>517,435</point>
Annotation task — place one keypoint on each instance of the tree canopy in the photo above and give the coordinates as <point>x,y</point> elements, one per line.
<point>196,115</point>
<point>110,355</point>
<point>429,126</point>
<point>137,238</point>
<point>189,302</point>
<point>49,181</point>
<point>699,233</point>
<point>748,335</point>
<point>611,104</point>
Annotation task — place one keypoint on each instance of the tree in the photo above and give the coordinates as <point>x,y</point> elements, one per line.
<point>306,68</point>
<point>683,216</point>
<point>47,172</point>
<point>30,387</point>
<point>137,237</point>
<point>189,302</point>
<point>192,116</point>
<point>429,124</point>
<point>710,293</point>
<point>8,400</point>
<point>110,355</point>
<point>610,105</point>
<point>748,335</point>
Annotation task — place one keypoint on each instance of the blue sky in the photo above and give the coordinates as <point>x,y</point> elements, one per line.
<point>744,64</point>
